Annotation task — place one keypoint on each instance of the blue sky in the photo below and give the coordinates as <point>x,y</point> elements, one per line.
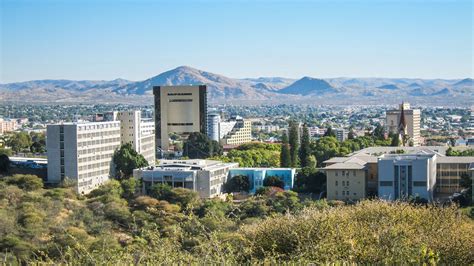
<point>138,39</point>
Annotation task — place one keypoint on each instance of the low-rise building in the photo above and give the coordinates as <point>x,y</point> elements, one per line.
<point>206,177</point>
<point>347,180</point>
<point>405,176</point>
<point>258,175</point>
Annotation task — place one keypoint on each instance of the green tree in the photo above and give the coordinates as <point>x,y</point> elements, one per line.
<point>237,183</point>
<point>379,132</point>
<point>395,140</point>
<point>199,146</point>
<point>19,141</point>
<point>26,182</point>
<point>129,187</point>
<point>305,149</point>
<point>310,181</point>
<point>285,157</point>
<point>329,132</point>
<point>126,159</point>
<point>466,182</point>
<point>273,181</point>
<point>293,141</point>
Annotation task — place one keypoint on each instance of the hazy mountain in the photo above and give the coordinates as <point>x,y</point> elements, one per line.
<point>248,90</point>
<point>388,87</point>
<point>218,85</point>
<point>308,86</point>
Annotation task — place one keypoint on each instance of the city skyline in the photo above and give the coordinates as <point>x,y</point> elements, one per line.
<point>104,40</point>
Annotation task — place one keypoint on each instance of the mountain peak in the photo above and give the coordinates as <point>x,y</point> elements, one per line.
<point>308,85</point>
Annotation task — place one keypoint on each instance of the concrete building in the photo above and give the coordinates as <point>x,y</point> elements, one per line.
<point>408,119</point>
<point>82,152</point>
<point>258,175</point>
<point>8,125</point>
<point>206,177</point>
<point>361,169</point>
<point>404,176</point>
<point>341,134</point>
<point>449,170</point>
<point>181,110</point>
<point>240,131</point>
<point>139,132</point>
<point>213,122</point>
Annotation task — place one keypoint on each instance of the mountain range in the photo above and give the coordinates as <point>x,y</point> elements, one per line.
<point>223,89</point>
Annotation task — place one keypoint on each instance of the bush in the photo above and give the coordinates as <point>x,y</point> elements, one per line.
<point>25,182</point>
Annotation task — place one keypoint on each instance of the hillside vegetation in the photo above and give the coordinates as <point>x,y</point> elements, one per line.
<point>113,225</point>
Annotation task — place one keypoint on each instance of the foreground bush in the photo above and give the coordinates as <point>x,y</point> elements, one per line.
<point>55,226</point>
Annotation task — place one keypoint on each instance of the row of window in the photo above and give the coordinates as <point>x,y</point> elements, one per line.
<point>345,173</point>
<point>95,157</point>
<point>94,166</point>
<point>344,183</point>
<point>98,126</point>
<point>180,100</point>
<point>415,183</point>
<point>94,174</point>
<point>97,142</point>
<point>101,149</point>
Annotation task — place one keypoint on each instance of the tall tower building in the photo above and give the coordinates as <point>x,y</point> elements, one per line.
<point>139,132</point>
<point>181,110</point>
<point>407,121</point>
<point>213,122</point>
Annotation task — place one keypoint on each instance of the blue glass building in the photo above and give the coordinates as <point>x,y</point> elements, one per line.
<point>257,175</point>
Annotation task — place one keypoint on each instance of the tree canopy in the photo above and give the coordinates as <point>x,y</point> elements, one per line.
<point>126,159</point>
<point>199,146</point>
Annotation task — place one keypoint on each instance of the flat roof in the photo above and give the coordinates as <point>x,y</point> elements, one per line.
<point>455,159</point>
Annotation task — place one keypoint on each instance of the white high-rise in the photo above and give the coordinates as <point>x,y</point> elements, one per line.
<point>82,152</point>
<point>139,132</point>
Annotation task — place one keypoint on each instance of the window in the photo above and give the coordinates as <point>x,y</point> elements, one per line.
<point>386,183</point>
<point>419,183</point>
<point>336,182</point>
<point>347,183</point>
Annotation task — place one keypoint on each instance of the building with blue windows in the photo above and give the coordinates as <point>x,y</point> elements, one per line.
<point>402,176</point>
<point>257,176</point>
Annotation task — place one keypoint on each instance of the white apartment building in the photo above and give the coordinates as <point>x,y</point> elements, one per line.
<point>412,118</point>
<point>206,177</point>
<point>8,125</point>
<point>139,132</point>
<point>82,152</point>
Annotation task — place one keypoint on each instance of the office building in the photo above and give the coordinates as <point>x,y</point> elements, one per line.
<point>213,121</point>
<point>235,131</point>
<point>449,170</point>
<point>258,175</point>
<point>405,122</point>
<point>82,152</point>
<point>181,110</point>
<point>137,131</point>
<point>405,176</point>
<point>206,177</point>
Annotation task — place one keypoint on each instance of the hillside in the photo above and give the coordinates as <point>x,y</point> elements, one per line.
<point>247,90</point>
<point>112,225</point>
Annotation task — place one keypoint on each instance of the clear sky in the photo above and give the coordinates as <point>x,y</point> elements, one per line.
<point>46,39</point>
